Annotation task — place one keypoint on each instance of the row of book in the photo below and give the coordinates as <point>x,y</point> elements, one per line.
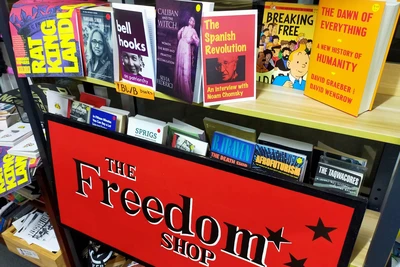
<point>186,50</point>
<point>230,143</point>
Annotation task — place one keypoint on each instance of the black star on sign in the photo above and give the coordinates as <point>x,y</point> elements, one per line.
<point>295,262</point>
<point>321,231</point>
<point>277,238</point>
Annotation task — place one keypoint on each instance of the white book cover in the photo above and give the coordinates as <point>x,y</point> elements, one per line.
<point>122,117</point>
<point>58,103</point>
<point>15,134</point>
<point>189,144</point>
<point>150,130</point>
<point>27,148</point>
<point>136,42</point>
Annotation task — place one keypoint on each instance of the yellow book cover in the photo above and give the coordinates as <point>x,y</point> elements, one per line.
<point>344,42</point>
<point>287,28</point>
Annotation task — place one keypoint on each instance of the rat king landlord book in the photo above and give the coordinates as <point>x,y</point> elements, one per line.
<point>46,38</point>
<point>228,50</point>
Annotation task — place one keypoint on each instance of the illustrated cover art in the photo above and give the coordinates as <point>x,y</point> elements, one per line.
<point>285,45</point>
<point>96,40</point>
<point>14,172</point>
<point>339,69</point>
<point>80,111</point>
<point>46,39</point>
<point>135,55</point>
<point>281,162</point>
<point>178,45</point>
<point>232,150</point>
<point>228,52</point>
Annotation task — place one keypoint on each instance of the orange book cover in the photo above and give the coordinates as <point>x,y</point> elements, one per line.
<point>344,42</point>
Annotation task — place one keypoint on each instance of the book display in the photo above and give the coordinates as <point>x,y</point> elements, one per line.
<point>209,135</point>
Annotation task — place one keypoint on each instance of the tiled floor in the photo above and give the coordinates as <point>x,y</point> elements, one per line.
<point>9,259</point>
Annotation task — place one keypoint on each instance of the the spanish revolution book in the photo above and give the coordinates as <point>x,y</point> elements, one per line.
<point>46,38</point>
<point>95,25</point>
<point>178,46</point>
<point>285,45</point>
<point>228,52</point>
<point>344,74</point>
<point>135,37</point>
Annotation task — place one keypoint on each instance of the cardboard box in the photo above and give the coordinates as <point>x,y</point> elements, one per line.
<point>32,253</point>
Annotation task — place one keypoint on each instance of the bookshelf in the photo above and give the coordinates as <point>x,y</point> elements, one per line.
<point>292,107</point>
<point>364,238</point>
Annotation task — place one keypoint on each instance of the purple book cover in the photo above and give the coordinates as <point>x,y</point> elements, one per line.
<point>135,64</point>
<point>178,44</point>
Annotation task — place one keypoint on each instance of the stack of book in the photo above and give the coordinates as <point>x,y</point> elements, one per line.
<point>8,115</point>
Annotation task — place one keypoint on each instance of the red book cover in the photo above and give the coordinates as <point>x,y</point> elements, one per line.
<point>228,49</point>
<point>93,100</point>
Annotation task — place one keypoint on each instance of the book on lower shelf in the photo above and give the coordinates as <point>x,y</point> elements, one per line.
<point>213,125</point>
<point>340,176</point>
<point>189,144</point>
<point>341,74</point>
<point>148,129</point>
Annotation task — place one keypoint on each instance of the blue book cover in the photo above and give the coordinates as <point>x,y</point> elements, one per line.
<point>103,119</point>
<point>279,162</point>
<point>233,150</point>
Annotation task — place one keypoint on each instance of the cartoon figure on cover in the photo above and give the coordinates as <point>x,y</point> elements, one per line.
<point>187,37</point>
<point>298,67</point>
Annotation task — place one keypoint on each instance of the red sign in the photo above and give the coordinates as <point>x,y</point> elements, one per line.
<point>169,208</point>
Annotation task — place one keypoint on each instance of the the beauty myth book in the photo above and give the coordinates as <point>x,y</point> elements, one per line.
<point>345,74</point>
<point>229,52</point>
<point>135,61</point>
<point>46,38</point>
<point>286,42</point>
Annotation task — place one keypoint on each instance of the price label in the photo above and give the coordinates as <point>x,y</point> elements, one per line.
<point>135,90</point>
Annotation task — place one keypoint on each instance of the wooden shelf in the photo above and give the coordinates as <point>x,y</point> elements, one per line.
<point>290,106</point>
<point>364,238</point>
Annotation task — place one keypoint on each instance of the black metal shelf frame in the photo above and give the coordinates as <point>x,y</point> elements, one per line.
<point>385,193</point>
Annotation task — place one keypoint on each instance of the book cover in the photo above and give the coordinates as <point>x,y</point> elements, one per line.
<point>15,134</point>
<point>192,145</point>
<point>339,68</point>
<point>46,38</point>
<point>290,145</point>
<point>93,100</point>
<point>58,103</point>
<point>148,129</point>
<point>95,25</point>
<point>285,44</point>
<point>281,163</point>
<point>135,51</point>
<point>15,172</point>
<point>25,148</point>
<point>338,179</point>
<point>228,52</point>
<point>178,45</point>
<point>80,111</point>
<point>103,119</point>
<point>232,150</point>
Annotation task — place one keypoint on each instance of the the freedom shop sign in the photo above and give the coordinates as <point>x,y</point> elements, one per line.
<point>168,208</point>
